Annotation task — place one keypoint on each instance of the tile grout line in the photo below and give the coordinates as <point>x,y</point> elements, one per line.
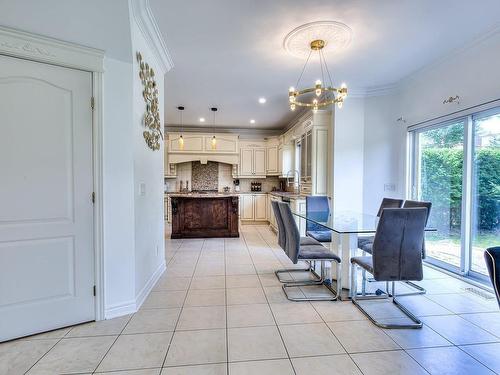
<point>182,307</point>
<point>225,298</point>
<point>272,313</point>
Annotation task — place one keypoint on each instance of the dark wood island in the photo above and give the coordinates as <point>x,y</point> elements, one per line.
<point>204,215</point>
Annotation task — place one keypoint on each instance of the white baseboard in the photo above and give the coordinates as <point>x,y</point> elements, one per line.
<point>120,309</point>
<point>139,299</point>
<point>130,307</point>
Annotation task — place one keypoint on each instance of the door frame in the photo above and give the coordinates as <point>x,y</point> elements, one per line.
<point>37,48</point>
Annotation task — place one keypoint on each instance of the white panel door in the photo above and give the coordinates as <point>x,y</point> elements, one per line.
<point>46,240</point>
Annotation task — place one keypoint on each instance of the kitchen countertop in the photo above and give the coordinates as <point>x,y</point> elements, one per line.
<point>202,195</point>
<point>222,194</point>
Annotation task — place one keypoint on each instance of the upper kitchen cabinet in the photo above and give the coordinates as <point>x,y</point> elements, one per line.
<point>252,159</point>
<point>286,155</point>
<point>272,151</point>
<point>312,134</point>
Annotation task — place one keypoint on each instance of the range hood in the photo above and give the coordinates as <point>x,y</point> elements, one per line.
<point>203,159</point>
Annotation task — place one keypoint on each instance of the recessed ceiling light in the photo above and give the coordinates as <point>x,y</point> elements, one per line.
<point>252,121</point>
<point>262,100</point>
<point>202,119</point>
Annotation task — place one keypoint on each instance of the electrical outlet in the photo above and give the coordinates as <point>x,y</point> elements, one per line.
<point>157,250</point>
<point>390,187</point>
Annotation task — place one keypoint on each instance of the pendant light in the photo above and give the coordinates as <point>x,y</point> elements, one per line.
<point>214,140</point>
<point>181,139</point>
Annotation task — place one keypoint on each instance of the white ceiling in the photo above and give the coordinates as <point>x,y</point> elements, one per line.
<point>228,53</point>
<point>102,24</point>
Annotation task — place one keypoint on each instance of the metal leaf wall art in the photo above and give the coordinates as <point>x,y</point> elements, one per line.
<point>151,121</point>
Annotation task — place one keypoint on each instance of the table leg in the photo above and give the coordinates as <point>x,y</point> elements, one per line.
<point>345,246</point>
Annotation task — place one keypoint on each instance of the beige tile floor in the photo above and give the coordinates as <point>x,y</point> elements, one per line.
<point>219,310</point>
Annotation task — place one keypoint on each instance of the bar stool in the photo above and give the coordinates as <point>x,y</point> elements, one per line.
<point>310,253</point>
<point>397,256</point>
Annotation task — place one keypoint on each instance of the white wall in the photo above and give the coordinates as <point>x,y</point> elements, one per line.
<point>148,171</point>
<point>384,151</point>
<point>348,147</point>
<point>472,73</point>
<point>118,175</point>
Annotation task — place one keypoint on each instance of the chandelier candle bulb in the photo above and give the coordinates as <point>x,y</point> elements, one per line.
<point>318,87</point>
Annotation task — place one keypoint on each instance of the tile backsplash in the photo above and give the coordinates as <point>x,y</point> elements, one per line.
<point>213,176</point>
<point>204,176</point>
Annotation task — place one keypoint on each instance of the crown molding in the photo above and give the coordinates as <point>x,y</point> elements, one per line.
<point>146,23</point>
<point>43,49</point>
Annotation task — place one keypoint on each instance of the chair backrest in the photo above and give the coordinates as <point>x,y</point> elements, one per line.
<point>428,205</point>
<point>292,232</point>
<point>281,227</point>
<point>316,203</point>
<point>415,204</point>
<point>389,203</point>
<point>397,247</point>
<point>492,258</point>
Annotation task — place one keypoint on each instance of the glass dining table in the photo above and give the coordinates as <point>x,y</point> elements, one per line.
<point>345,227</point>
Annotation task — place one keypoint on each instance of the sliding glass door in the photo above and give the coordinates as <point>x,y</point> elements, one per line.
<point>438,179</point>
<point>456,166</point>
<point>485,187</point>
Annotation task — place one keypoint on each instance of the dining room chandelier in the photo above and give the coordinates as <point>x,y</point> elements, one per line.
<point>324,91</point>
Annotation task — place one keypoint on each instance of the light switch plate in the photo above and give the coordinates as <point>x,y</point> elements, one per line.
<point>389,187</point>
<point>142,189</point>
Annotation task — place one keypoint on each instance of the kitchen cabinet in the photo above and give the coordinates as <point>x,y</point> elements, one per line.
<point>272,167</point>
<point>299,205</point>
<point>167,209</point>
<point>246,207</point>
<point>169,169</point>
<point>286,155</point>
<point>260,207</point>
<point>253,207</point>
<point>253,161</point>
<point>272,218</point>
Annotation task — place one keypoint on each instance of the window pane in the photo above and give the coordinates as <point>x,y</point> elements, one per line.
<point>440,153</point>
<point>486,189</point>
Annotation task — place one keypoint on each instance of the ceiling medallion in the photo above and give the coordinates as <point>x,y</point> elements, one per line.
<point>336,36</point>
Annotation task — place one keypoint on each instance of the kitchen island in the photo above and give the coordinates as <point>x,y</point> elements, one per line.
<point>204,215</point>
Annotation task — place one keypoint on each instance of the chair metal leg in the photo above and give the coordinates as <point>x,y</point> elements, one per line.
<point>419,290</point>
<point>417,323</point>
<point>335,293</point>
<point>289,270</point>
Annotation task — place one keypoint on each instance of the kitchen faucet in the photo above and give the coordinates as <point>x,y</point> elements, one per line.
<point>297,183</point>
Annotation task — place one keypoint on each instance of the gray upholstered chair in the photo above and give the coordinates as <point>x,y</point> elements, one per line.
<point>397,256</point>
<point>492,259</point>
<point>309,253</point>
<point>304,241</point>
<point>415,204</point>
<point>365,242</point>
<point>318,204</point>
